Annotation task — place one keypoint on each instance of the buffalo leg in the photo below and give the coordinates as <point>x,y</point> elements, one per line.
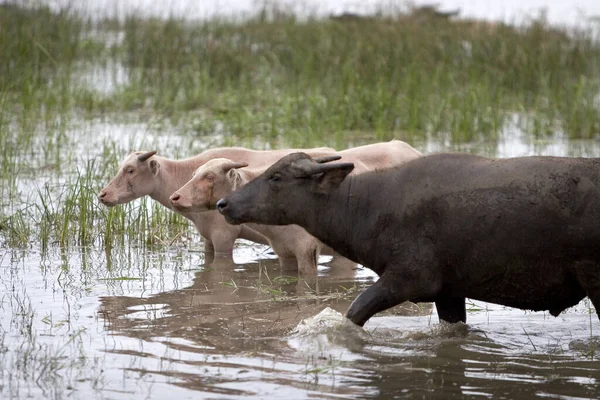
<point>208,246</point>
<point>387,292</point>
<point>373,300</point>
<point>594,296</point>
<point>587,276</point>
<point>451,309</point>
<point>307,261</point>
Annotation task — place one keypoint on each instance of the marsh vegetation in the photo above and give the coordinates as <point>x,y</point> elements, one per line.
<point>77,94</point>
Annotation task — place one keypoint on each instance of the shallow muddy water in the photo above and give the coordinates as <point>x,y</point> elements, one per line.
<point>136,323</point>
<point>130,323</point>
<point>116,321</point>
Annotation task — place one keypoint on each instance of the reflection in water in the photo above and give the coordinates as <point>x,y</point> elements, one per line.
<point>513,357</point>
<point>229,301</point>
<point>230,323</point>
<point>474,366</point>
<point>186,327</point>
<point>241,330</point>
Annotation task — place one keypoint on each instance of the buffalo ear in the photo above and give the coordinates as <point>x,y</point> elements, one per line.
<point>333,177</point>
<point>154,167</point>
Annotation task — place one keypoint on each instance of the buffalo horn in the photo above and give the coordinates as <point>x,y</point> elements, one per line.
<point>231,165</point>
<point>310,168</point>
<point>326,159</point>
<point>147,155</point>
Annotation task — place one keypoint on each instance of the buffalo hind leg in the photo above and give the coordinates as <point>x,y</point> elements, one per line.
<point>451,309</point>
<point>594,296</point>
<point>589,281</point>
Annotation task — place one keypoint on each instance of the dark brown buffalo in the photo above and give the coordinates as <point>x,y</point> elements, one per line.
<point>521,232</point>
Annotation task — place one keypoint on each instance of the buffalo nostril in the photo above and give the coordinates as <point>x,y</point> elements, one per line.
<point>221,205</point>
<point>102,194</point>
<point>175,197</point>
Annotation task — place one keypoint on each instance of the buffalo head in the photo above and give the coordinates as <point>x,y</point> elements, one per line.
<point>215,179</point>
<point>283,192</point>
<point>135,179</point>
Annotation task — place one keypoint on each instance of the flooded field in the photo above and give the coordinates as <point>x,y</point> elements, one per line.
<point>157,321</point>
<point>155,324</point>
<point>123,303</point>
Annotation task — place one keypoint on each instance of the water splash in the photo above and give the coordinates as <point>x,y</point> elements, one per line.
<point>329,322</point>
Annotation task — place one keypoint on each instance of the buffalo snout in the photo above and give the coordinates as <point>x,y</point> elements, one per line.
<point>231,213</point>
<point>222,205</point>
<point>102,197</point>
<point>107,198</point>
<point>180,203</point>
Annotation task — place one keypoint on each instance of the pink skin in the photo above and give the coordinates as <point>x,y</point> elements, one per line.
<point>210,182</point>
<point>135,179</point>
<point>159,177</point>
<point>220,177</point>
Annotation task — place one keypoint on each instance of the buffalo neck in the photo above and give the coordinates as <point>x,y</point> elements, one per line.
<point>172,175</point>
<point>338,220</point>
<point>243,176</point>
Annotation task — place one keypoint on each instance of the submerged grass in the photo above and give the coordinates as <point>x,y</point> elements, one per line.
<point>272,79</point>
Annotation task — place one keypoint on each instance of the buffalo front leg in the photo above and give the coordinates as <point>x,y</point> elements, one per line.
<point>589,282</point>
<point>370,302</point>
<point>594,295</point>
<point>224,248</point>
<point>307,261</point>
<point>596,303</point>
<point>224,241</point>
<point>451,309</point>
<point>208,246</point>
<point>388,292</point>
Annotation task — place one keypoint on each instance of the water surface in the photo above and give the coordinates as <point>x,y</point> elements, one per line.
<point>164,321</point>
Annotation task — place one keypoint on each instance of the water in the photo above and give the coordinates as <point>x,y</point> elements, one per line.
<point>136,323</point>
<point>557,11</point>
<point>162,322</point>
<point>133,323</point>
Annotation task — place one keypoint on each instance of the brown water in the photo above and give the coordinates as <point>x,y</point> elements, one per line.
<point>74,326</point>
<point>132,323</point>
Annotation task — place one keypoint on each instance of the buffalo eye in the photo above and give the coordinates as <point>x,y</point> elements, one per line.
<point>275,178</point>
<point>210,178</point>
<point>130,170</point>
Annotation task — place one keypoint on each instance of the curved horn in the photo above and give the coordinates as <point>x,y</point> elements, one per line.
<point>326,159</point>
<point>309,167</point>
<point>233,165</point>
<point>327,167</point>
<point>147,155</point>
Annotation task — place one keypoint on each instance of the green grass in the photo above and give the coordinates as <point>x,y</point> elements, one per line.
<point>392,76</point>
<point>269,80</point>
<point>272,80</point>
<point>35,42</point>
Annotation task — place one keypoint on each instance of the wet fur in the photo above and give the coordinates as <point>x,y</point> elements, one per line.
<point>159,177</point>
<point>522,232</point>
